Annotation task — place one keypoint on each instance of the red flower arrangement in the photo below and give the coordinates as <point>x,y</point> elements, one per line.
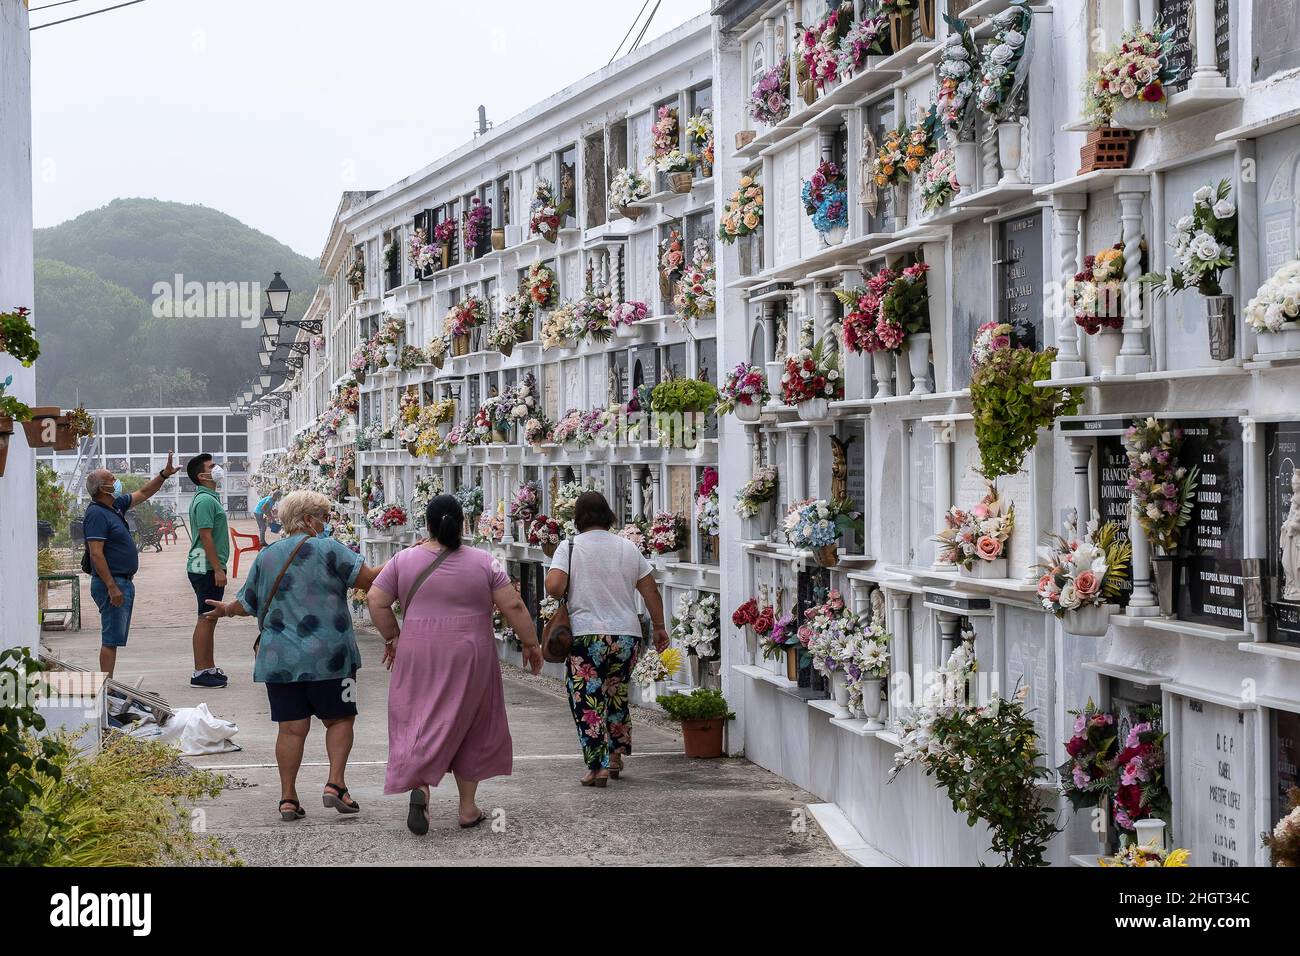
<point>866,327</point>
<point>746,614</point>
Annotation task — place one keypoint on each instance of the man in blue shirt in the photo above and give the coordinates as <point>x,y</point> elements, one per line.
<point>113,555</point>
<point>264,513</point>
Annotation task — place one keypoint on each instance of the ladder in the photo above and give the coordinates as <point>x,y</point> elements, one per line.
<point>87,453</point>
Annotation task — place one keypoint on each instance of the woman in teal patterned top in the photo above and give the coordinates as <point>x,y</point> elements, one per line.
<point>307,654</point>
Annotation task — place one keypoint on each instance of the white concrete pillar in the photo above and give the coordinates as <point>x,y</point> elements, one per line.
<point>1132,13</point>
<point>1142,602</point>
<point>1206,75</point>
<point>828,312</point>
<point>945,436</point>
<point>1133,356</point>
<point>798,478</point>
<point>949,634</point>
<point>1081,457</point>
<point>1066,213</point>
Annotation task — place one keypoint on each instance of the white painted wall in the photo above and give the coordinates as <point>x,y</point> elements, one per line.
<point>18,486</point>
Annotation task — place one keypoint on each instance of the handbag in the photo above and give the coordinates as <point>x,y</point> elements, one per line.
<point>274,588</point>
<point>557,636</point>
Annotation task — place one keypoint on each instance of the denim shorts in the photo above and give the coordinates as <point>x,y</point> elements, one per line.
<point>205,589</point>
<point>115,622</point>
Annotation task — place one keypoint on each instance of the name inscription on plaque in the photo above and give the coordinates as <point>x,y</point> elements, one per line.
<point>1020,277</point>
<point>1213,539</point>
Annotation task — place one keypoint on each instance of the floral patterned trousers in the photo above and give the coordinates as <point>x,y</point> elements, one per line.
<point>597,675</point>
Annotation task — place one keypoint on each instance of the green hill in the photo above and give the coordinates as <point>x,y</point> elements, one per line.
<point>95,276</point>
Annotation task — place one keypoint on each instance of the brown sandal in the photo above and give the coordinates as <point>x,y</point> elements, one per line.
<point>597,781</point>
<point>615,768</point>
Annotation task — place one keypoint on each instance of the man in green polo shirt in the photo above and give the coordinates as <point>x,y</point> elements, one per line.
<point>207,564</point>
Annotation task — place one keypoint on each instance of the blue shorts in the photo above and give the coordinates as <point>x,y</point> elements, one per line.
<point>115,622</point>
<point>205,588</point>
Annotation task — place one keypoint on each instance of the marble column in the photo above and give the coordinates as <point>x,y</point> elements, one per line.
<point>798,478</point>
<point>1132,13</point>
<point>1142,602</point>
<point>1081,457</point>
<point>860,597</point>
<point>989,155</point>
<point>899,618</point>
<point>771,320</point>
<point>828,312</point>
<point>949,634</point>
<point>1207,75</point>
<point>945,437</point>
<point>1133,355</point>
<point>638,498</point>
<point>1066,213</point>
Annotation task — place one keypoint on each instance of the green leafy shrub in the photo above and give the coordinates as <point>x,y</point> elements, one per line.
<point>700,704</point>
<point>27,765</point>
<point>53,502</point>
<point>683,395</point>
<point>1009,408</point>
<point>17,337</point>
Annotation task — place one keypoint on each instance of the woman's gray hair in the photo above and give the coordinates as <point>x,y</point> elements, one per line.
<point>297,506</point>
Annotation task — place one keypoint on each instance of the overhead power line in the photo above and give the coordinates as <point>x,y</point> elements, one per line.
<point>82,16</point>
<point>635,20</point>
<point>640,36</point>
<point>49,6</point>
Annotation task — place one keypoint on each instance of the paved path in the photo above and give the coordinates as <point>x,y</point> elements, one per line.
<point>666,809</point>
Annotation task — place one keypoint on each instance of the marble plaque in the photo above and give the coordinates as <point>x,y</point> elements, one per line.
<point>1020,277</point>
<point>855,434</point>
<point>1279,171</point>
<point>1282,451</point>
<point>681,492</point>
<point>552,391</point>
<point>572,385</point>
<point>1213,794</point>
<point>1113,495</point>
<point>597,382</point>
<point>1213,539</point>
<point>1012,489</point>
<point>1028,662</point>
<point>921,495</point>
<point>1181,15</point>
<point>1276,42</point>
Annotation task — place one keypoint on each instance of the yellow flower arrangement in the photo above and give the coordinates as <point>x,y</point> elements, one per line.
<point>1135,855</point>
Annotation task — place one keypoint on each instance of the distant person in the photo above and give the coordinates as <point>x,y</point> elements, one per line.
<point>307,654</point>
<point>111,555</point>
<point>446,704</point>
<point>264,513</point>
<point>206,565</point>
<point>602,573</point>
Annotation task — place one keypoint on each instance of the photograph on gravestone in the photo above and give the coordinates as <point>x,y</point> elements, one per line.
<point>1284,738</point>
<point>1213,540</point>
<point>1020,277</point>
<point>1113,495</point>
<point>1212,794</point>
<point>1282,534</point>
<point>1275,42</point>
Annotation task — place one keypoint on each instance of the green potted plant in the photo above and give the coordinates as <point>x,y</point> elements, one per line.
<point>11,410</point>
<point>703,715</point>
<point>676,402</point>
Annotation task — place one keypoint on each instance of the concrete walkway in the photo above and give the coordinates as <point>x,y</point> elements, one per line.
<point>665,810</point>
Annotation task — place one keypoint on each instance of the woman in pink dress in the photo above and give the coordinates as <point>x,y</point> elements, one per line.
<point>446,707</point>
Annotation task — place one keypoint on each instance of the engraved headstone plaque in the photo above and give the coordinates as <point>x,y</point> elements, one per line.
<point>1020,277</point>
<point>1285,740</point>
<point>1213,793</point>
<point>1213,539</point>
<point>1275,43</point>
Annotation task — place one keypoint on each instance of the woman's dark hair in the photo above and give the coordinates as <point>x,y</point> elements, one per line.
<point>591,510</point>
<point>444,519</point>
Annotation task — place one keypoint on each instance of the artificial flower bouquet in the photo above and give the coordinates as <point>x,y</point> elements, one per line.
<point>750,614</point>
<point>1137,72</point>
<point>757,492</point>
<point>744,387</point>
<point>938,180</point>
<point>540,286</point>
<point>525,502</point>
<point>1087,571</point>
<point>1002,60</point>
<point>819,49</point>
<point>887,168</point>
<point>385,518</point>
<point>545,533</point>
<point>696,292</point>
<point>421,253</point>
<point>465,316</point>
<point>783,634</point>
<point>696,624</point>
<point>1283,843</point>
<point>1163,488</point>
<point>437,348</point>
<point>627,187</point>
<point>957,82</point>
<point>545,212</point>
<point>470,498</point>
<point>1135,855</point>
<point>427,487</point>
<point>653,666</point>
<point>1277,301</point>
<point>538,429</point>
<point>868,36</point>
<point>769,101</point>
<point>816,524</point>
<point>636,532</point>
<point>699,137</point>
<point>825,197</point>
<point>591,317</point>
<point>668,533</point>
<point>865,327</point>
<point>812,374</point>
<point>560,327</point>
<point>627,314</point>
<point>1204,244</point>
<point>906,303</point>
<point>742,213</point>
<point>1088,774</point>
<point>826,630</point>
<point>506,333</point>
<point>565,500</point>
<point>708,516</point>
<point>1095,294</point>
<point>478,226</point>
<point>989,338</point>
<point>490,527</point>
<point>1140,791</point>
<point>672,255</point>
<point>444,233</point>
<point>977,535</point>
<point>664,137</point>
<point>568,428</point>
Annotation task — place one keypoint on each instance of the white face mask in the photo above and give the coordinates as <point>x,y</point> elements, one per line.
<point>218,474</point>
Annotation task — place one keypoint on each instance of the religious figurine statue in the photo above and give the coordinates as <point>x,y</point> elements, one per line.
<point>647,496</point>
<point>840,467</point>
<point>781,350</point>
<point>878,607</point>
<point>1289,541</point>
<point>868,195</point>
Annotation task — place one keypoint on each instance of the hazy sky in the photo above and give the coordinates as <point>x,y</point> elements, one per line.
<point>268,109</point>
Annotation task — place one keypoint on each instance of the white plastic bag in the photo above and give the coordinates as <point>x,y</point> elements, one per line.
<point>195,730</point>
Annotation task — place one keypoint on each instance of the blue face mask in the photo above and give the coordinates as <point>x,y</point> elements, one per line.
<point>326,531</point>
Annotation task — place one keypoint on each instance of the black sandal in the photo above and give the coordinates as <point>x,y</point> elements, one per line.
<point>473,823</point>
<point>417,816</point>
<point>336,800</point>
<point>297,813</point>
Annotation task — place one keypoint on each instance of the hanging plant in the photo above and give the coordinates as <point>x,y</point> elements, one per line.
<point>1009,408</point>
<point>17,337</point>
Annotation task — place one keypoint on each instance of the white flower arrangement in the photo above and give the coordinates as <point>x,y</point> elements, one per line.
<point>1277,301</point>
<point>627,187</point>
<point>696,624</point>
